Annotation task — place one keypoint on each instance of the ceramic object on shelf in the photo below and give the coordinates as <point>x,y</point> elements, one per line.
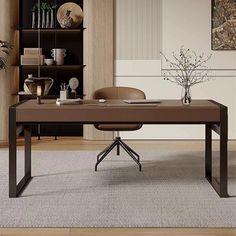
<point>48,61</point>
<point>70,15</point>
<point>58,55</point>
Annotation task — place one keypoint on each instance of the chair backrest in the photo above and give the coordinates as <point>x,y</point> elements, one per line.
<point>118,93</point>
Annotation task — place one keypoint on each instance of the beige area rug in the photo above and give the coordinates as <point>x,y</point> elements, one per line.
<point>171,191</point>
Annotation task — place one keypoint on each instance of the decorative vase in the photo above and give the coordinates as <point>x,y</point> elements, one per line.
<point>43,18</point>
<point>47,19</point>
<point>33,19</point>
<point>39,18</point>
<point>186,95</point>
<point>52,18</point>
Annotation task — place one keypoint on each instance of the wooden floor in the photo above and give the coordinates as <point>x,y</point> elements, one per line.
<point>48,143</point>
<point>120,232</point>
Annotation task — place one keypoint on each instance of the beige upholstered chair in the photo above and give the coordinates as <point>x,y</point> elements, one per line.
<point>118,93</point>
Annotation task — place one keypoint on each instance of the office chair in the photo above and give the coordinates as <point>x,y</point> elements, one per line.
<point>118,93</point>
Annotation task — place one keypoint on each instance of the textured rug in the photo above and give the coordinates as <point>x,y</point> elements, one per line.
<point>171,191</point>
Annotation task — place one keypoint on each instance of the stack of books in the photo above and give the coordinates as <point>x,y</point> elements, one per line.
<point>32,56</point>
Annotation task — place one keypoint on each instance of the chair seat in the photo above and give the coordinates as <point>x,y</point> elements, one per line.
<point>118,127</point>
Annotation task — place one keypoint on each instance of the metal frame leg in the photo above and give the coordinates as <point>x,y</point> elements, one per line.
<point>105,154</point>
<point>118,149</point>
<point>208,153</point>
<point>14,188</point>
<point>221,185</point>
<point>132,156</point>
<point>130,149</point>
<point>103,151</point>
<point>12,153</point>
<point>117,143</point>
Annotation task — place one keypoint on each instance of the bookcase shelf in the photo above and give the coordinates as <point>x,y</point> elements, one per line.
<point>50,38</point>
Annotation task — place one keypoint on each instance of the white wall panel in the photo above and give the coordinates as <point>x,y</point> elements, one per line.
<point>137,68</point>
<point>138,29</point>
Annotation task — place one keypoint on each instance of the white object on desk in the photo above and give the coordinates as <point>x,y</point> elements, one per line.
<point>142,101</point>
<point>63,94</point>
<point>102,100</point>
<point>68,101</point>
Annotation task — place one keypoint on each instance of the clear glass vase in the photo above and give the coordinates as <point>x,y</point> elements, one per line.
<point>186,95</point>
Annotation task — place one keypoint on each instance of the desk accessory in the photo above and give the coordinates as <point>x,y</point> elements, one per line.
<point>142,101</point>
<point>60,101</point>
<point>39,87</point>
<point>64,91</point>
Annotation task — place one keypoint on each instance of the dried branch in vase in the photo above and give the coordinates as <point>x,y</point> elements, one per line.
<point>187,68</point>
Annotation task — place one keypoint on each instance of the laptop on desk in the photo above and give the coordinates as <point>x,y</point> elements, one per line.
<point>142,101</point>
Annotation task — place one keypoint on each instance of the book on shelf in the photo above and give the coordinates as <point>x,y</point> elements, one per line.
<point>33,51</point>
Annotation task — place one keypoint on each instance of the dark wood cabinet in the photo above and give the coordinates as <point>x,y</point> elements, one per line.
<point>48,39</point>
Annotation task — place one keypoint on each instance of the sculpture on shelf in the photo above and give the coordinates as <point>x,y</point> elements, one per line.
<point>74,84</point>
<point>5,48</point>
<point>69,15</point>
<point>66,21</point>
<point>186,70</point>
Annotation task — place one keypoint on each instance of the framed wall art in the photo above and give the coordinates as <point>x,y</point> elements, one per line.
<point>223,24</point>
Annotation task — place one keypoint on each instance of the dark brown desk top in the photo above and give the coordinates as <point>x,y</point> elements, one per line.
<point>117,111</point>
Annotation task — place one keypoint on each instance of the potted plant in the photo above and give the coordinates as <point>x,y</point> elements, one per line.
<point>5,48</point>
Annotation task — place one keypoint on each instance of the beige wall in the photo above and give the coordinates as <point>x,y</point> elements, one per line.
<point>183,22</point>
<point>8,79</point>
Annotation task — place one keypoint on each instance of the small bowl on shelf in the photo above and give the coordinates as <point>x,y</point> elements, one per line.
<point>48,62</point>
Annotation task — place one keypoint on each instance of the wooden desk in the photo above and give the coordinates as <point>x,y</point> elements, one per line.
<point>209,113</point>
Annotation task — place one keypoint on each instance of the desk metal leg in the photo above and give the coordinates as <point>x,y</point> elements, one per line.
<point>27,132</point>
<point>208,153</point>
<point>12,153</point>
<point>221,185</point>
<point>14,188</point>
<point>224,153</point>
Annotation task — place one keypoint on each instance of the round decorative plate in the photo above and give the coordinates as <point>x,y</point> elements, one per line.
<point>69,15</point>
